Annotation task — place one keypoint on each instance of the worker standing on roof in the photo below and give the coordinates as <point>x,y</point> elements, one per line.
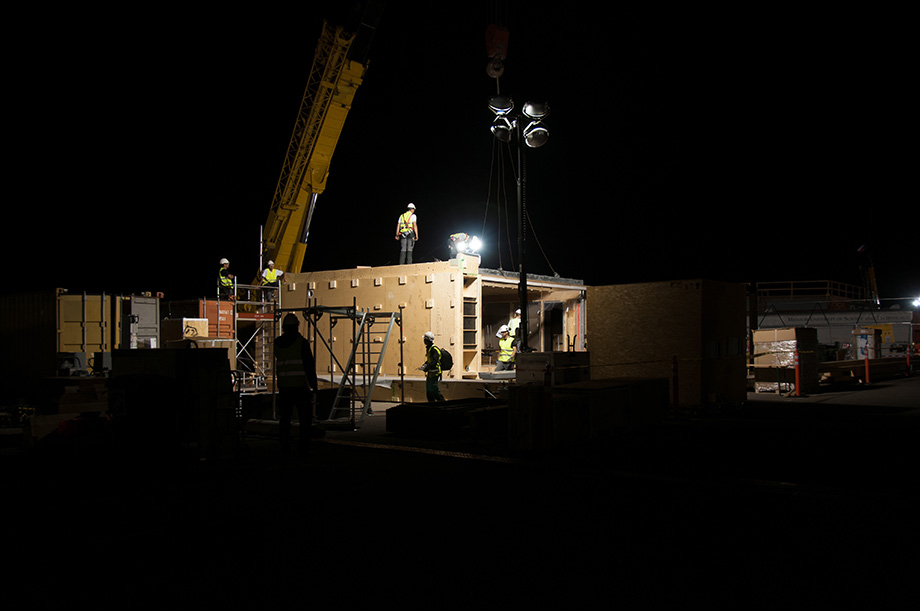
<point>295,371</point>
<point>225,281</point>
<point>507,350</point>
<point>407,234</point>
<point>432,369</point>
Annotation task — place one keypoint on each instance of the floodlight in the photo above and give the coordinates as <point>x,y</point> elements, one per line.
<point>535,134</point>
<point>501,128</point>
<point>536,110</point>
<point>465,243</point>
<point>501,104</point>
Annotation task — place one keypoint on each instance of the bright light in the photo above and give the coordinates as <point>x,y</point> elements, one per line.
<point>465,243</point>
<point>917,302</point>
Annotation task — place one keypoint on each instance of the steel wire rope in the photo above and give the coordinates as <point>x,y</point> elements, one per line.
<point>503,184</point>
<point>497,179</point>
<point>537,239</point>
<point>485,215</point>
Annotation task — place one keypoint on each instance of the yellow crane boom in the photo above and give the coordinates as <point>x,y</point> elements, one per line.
<point>330,90</point>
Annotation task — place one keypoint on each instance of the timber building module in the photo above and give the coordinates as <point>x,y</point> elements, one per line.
<point>461,303</point>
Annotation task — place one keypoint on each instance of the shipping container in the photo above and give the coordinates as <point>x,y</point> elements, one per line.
<point>52,332</point>
<point>219,314</point>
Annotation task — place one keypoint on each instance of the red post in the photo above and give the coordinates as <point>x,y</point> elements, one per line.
<point>798,377</point>
<point>867,368</point>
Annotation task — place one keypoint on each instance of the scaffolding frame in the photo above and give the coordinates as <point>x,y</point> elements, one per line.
<point>254,354</point>
<point>352,404</point>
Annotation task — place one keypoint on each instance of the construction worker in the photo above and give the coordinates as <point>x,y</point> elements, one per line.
<point>456,243</point>
<point>272,276</point>
<point>295,372</point>
<point>507,350</point>
<point>514,327</point>
<point>225,281</point>
<point>407,234</point>
<point>432,369</point>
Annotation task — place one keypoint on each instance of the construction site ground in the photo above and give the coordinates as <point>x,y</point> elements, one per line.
<point>780,503</point>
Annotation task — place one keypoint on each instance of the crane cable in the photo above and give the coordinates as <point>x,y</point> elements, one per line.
<point>527,218</point>
<point>498,13</point>
<point>502,197</point>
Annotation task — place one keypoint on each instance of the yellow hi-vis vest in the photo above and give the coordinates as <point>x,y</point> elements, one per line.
<point>289,369</point>
<point>507,349</point>
<point>224,280</point>
<point>433,360</point>
<point>271,275</point>
<point>405,224</point>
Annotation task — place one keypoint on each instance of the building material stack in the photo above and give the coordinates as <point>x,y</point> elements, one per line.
<point>777,354</point>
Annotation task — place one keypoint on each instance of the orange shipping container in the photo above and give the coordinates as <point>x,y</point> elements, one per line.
<point>220,315</point>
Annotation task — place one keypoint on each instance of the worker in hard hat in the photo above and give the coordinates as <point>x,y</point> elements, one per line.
<point>514,327</point>
<point>272,276</point>
<point>295,374</point>
<point>432,369</point>
<point>225,281</point>
<point>407,233</point>
<point>457,244</point>
<point>506,350</point>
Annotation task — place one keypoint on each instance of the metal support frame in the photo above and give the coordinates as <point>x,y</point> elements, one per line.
<point>261,303</point>
<point>369,346</point>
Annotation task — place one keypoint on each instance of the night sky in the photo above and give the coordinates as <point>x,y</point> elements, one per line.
<point>738,146</point>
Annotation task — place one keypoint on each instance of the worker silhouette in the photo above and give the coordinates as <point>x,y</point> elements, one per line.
<point>407,233</point>
<point>295,373</point>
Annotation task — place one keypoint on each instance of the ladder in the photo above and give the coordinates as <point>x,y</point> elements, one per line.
<point>368,348</point>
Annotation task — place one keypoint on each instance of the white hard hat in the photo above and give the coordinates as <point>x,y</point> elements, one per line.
<point>502,329</point>
<point>224,261</point>
<point>271,262</point>
<point>517,311</point>
<point>429,335</point>
<point>412,206</point>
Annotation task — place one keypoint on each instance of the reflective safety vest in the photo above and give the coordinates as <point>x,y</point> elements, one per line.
<point>271,275</point>
<point>405,221</point>
<point>289,368</point>
<point>434,364</point>
<point>224,280</point>
<point>507,349</point>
